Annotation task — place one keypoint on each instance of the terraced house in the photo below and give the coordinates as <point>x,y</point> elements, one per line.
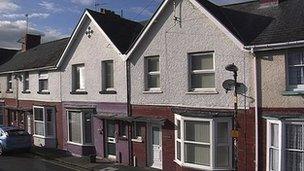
<point>152,95</point>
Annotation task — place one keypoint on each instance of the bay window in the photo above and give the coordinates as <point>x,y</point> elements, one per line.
<point>285,149</point>
<point>78,78</point>
<point>44,121</point>
<point>79,126</point>
<point>152,73</point>
<point>296,70</point>
<point>43,82</point>
<point>203,143</point>
<point>202,72</point>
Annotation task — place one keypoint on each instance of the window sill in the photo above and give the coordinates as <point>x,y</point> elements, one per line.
<point>44,137</point>
<point>43,92</point>
<point>122,138</point>
<point>138,140</point>
<point>79,92</point>
<point>201,92</point>
<point>199,167</point>
<point>9,91</point>
<point>293,93</point>
<point>108,92</point>
<point>26,92</point>
<point>78,144</point>
<point>153,92</point>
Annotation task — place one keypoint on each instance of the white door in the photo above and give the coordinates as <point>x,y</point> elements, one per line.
<point>156,142</point>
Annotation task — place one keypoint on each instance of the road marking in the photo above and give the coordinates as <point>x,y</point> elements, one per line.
<point>108,169</point>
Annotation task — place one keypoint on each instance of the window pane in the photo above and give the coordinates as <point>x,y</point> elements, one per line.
<point>295,58</point>
<point>153,64</point>
<point>50,122</point>
<point>38,114</point>
<point>138,127</point>
<point>111,128</point>
<point>75,127</point>
<point>87,127</point>
<point>78,78</point>
<point>26,81</point>
<point>111,149</point>
<point>274,159</point>
<point>1,118</point>
<point>296,75</point>
<point>294,161</point>
<point>178,129</point>
<point>222,156</point>
<point>43,85</point>
<point>109,74</point>
<point>203,80</point>
<point>39,128</point>
<point>197,154</point>
<point>274,135</point>
<point>81,77</point>
<point>222,132</point>
<point>197,131</point>
<point>153,81</point>
<point>155,135</point>
<point>178,150</point>
<point>294,136</point>
<point>202,62</point>
<point>123,129</point>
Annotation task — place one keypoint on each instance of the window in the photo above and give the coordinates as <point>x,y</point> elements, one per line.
<point>296,70</point>
<point>26,83</point>
<point>202,73</point>
<point>108,75</point>
<point>78,78</point>
<point>203,143</point>
<point>123,129</point>
<point>1,116</point>
<point>10,82</point>
<point>43,82</point>
<point>44,121</point>
<point>79,127</point>
<point>152,77</point>
<point>285,152</point>
<point>137,130</point>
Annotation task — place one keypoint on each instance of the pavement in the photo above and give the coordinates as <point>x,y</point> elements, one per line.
<point>63,158</point>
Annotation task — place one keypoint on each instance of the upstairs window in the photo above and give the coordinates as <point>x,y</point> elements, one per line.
<point>152,73</point>
<point>108,75</point>
<point>43,82</point>
<point>78,77</point>
<point>296,70</point>
<point>10,82</point>
<point>26,82</point>
<point>202,72</point>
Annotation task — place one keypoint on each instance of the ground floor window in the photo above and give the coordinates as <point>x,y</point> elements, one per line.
<point>285,145</point>
<point>79,126</point>
<point>203,143</point>
<point>44,121</point>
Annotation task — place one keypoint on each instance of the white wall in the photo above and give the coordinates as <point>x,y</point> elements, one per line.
<point>172,42</point>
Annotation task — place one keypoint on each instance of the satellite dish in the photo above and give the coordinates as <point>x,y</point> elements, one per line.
<point>241,88</point>
<point>231,68</point>
<point>228,85</point>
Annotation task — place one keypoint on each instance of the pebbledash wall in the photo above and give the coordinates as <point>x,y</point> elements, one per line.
<point>91,52</point>
<point>172,41</point>
<point>33,98</point>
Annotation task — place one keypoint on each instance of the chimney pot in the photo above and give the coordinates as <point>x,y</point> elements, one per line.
<point>30,41</point>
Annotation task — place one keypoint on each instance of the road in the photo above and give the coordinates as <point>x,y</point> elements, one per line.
<point>27,162</point>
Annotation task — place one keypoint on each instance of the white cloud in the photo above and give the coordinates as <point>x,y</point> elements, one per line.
<point>50,6</point>
<point>7,6</point>
<point>82,2</point>
<point>52,34</point>
<point>20,16</point>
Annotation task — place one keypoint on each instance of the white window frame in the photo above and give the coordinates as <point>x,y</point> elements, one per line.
<point>74,69</point>
<point>297,87</point>
<point>212,142</point>
<point>44,122</point>
<point>196,72</point>
<point>269,123</point>
<point>104,74</point>
<point>40,78</point>
<point>152,73</point>
<point>26,79</point>
<point>82,130</point>
<point>9,83</point>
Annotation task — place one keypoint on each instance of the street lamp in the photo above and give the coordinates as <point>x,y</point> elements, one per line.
<point>228,85</point>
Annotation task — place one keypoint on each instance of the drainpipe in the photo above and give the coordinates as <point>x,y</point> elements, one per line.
<point>256,111</point>
<point>129,110</point>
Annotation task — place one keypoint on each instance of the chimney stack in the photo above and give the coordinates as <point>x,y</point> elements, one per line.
<point>270,2</point>
<point>30,41</point>
<point>108,12</point>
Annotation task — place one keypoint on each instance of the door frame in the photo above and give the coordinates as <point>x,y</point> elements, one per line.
<point>150,145</point>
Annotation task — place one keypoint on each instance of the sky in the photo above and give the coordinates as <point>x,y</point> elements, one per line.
<point>55,19</point>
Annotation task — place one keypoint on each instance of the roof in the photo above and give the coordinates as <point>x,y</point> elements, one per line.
<point>254,24</point>
<point>41,56</point>
<point>121,31</point>
<point>6,55</point>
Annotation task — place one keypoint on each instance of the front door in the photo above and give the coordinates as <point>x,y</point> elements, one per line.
<point>156,142</point>
<point>110,140</point>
